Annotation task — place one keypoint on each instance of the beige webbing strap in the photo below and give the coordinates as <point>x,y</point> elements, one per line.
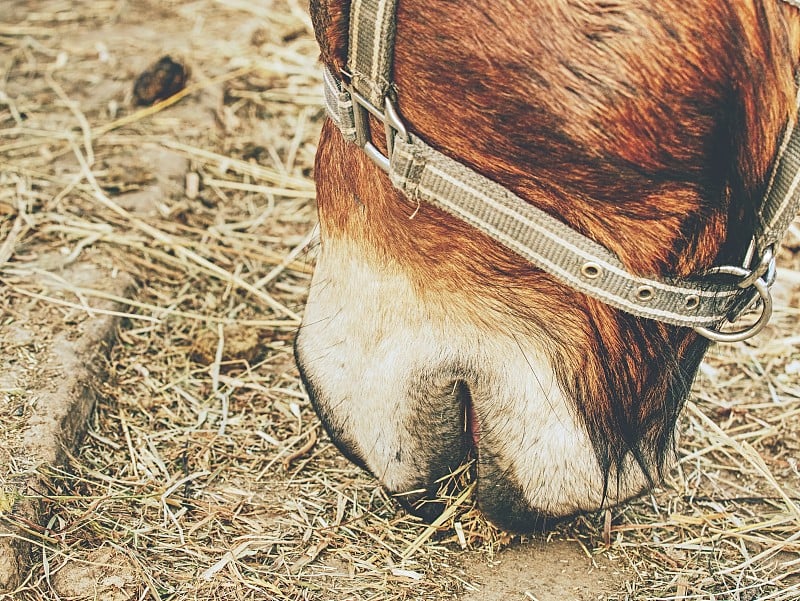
<point>427,175</point>
<point>339,106</point>
<point>371,48</point>
<point>782,198</point>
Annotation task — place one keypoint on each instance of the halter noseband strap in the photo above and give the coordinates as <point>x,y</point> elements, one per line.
<point>424,174</point>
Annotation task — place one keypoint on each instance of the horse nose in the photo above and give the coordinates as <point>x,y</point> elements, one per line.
<point>443,423</point>
<point>497,493</point>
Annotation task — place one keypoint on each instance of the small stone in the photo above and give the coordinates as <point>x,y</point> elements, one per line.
<point>192,187</point>
<point>159,81</point>
<point>240,344</point>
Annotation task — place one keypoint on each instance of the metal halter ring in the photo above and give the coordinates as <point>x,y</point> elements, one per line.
<point>766,307</point>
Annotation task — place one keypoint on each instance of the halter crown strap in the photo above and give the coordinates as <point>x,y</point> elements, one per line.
<point>782,199</point>
<point>371,47</point>
<point>425,174</point>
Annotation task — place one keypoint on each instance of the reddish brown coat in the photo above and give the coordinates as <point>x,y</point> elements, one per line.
<point>648,126</point>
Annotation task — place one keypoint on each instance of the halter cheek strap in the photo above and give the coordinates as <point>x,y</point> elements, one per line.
<point>426,175</point>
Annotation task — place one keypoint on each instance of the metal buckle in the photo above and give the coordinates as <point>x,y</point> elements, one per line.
<point>765,266</point>
<point>392,125</point>
<point>761,286</point>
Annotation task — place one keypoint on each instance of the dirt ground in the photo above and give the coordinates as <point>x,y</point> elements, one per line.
<point>204,473</point>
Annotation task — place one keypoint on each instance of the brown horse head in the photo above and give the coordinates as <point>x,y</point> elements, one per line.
<point>649,127</point>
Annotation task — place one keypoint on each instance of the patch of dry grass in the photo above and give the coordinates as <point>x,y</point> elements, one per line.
<point>205,474</point>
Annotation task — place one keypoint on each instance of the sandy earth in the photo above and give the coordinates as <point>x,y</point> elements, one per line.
<point>547,571</point>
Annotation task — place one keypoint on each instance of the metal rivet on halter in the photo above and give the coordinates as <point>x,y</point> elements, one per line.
<point>645,293</point>
<point>692,302</point>
<point>766,308</point>
<point>591,270</point>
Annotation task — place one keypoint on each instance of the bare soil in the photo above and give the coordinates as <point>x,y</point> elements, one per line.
<point>52,359</point>
<point>554,570</point>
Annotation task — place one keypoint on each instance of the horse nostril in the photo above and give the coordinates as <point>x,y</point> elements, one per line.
<point>429,503</point>
<point>471,419</point>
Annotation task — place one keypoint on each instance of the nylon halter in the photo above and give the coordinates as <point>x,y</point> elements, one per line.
<point>423,174</point>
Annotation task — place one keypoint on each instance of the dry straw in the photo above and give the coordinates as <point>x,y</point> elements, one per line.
<point>205,474</point>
